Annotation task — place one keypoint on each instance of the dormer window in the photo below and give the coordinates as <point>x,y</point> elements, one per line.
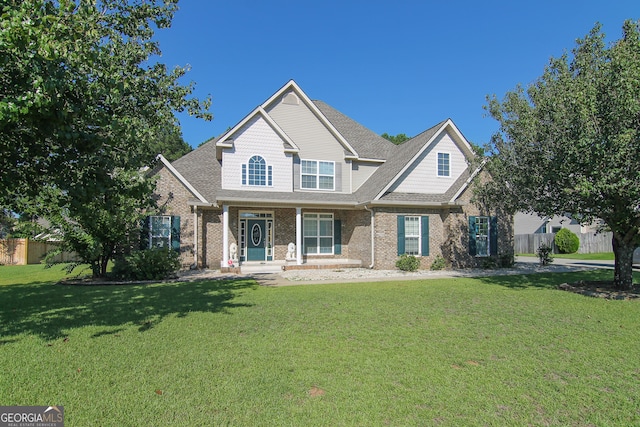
<point>317,175</point>
<point>444,165</point>
<point>256,172</point>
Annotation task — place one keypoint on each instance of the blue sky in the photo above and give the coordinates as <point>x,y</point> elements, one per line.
<point>394,66</point>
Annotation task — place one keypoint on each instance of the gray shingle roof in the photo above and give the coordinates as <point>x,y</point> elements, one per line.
<point>367,143</point>
<point>203,171</point>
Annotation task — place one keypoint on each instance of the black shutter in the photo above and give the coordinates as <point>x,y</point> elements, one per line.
<point>337,237</point>
<point>424,235</point>
<point>145,229</point>
<point>493,235</point>
<point>401,248</point>
<point>472,236</point>
<point>175,233</point>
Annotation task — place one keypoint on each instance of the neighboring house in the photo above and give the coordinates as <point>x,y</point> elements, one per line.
<point>531,223</point>
<point>298,183</point>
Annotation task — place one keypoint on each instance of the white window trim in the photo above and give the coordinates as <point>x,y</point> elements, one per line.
<point>157,236</point>
<point>333,242</point>
<point>419,235</point>
<point>438,164</point>
<point>318,175</point>
<point>488,236</point>
<point>268,173</point>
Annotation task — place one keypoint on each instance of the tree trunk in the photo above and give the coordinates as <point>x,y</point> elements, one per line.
<point>623,273</point>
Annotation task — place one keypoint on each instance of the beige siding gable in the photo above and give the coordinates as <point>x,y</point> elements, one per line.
<point>257,137</point>
<point>361,172</point>
<point>314,140</point>
<point>422,176</point>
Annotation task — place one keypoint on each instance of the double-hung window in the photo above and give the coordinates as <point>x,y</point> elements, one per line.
<point>317,175</point>
<point>413,235</point>
<point>256,172</point>
<point>483,235</point>
<point>444,164</point>
<point>162,231</point>
<point>318,233</point>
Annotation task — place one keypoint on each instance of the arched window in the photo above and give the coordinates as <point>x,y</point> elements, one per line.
<point>256,172</point>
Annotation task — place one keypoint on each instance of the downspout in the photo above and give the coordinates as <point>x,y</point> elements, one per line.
<point>373,234</point>
<point>195,237</point>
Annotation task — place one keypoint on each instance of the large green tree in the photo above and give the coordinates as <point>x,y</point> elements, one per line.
<point>84,102</point>
<point>396,139</point>
<point>570,142</point>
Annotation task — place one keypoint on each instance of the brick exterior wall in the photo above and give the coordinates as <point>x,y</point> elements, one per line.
<point>386,232</point>
<point>448,230</point>
<point>448,234</point>
<point>356,233</point>
<point>172,198</point>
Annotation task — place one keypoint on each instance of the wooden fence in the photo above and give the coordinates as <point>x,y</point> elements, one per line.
<point>589,242</point>
<point>25,251</point>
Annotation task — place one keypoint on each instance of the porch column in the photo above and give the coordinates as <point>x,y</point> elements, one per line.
<point>225,235</point>
<point>299,236</point>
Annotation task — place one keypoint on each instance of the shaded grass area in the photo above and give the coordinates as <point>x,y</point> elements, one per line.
<point>503,350</point>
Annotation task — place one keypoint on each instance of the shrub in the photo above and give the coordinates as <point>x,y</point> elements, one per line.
<point>147,264</point>
<point>567,241</point>
<point>489,263</point>
<point>507,260</point>
<point>544,254</point>
<point>438,263</point>
<point>407,263</point>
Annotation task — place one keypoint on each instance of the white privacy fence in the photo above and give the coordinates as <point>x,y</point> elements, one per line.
<point>589,242</point>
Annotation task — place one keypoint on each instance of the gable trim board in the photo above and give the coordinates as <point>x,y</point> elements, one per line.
<point>364,219</point>
<point>428,146</point>
<point>225,142</point>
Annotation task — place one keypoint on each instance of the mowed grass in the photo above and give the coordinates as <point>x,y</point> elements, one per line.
<point>492,351</point>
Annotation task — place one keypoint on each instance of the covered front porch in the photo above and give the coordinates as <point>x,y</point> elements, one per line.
<point>287,238</point>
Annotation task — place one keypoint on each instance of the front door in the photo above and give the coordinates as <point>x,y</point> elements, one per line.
<point>256,240</point>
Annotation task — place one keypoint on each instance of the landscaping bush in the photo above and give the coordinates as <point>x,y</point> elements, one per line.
<point>489,263</point>
<point>507,260</point>
<point>567,241</point>
<point>147,264</point>
<point>438,263</point>
<point>407,263</point>
<point>544,254</point>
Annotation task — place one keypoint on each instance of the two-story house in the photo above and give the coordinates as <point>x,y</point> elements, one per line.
<point>298,183</point>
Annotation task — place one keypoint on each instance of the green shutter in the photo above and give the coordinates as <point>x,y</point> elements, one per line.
<point>493,235</point>
<point>337,237</point>
<point>401,249</point>
<point>145,228</point>
<point>424,235</point>
<point>175,233</point>
<point>472,235</point>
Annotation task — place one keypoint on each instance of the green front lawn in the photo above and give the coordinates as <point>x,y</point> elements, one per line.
<point>491,351</point>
